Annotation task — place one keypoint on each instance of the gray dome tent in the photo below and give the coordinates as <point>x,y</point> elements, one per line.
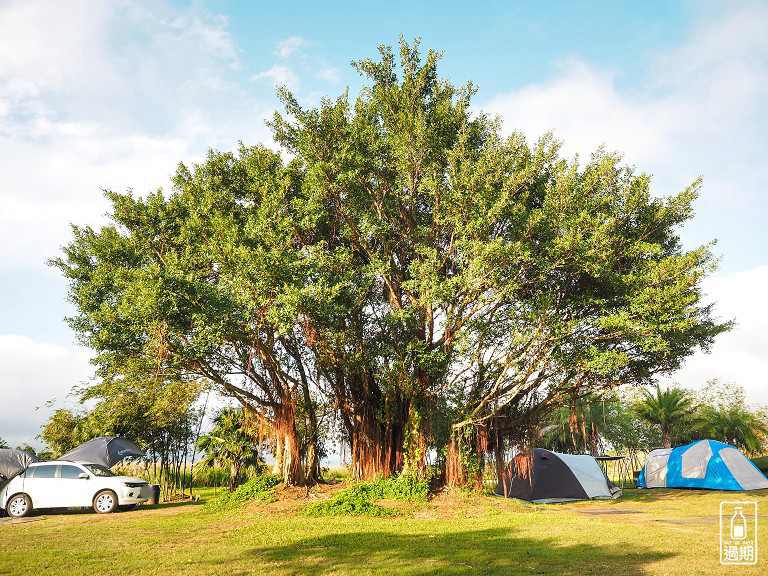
<point>104,450</point>
<point>555,477</point>
<point>13,463</point>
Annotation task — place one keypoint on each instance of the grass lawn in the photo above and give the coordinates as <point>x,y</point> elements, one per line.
<point>645,532</point>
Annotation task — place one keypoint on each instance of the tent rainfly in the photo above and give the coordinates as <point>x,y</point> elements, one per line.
<point>705,464</point>
<point>555,477</point>
<point>13,463</point>
<point>104,450</point>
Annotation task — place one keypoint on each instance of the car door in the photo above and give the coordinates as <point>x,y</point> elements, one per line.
<point>40,484</point>
<point>74,490</point>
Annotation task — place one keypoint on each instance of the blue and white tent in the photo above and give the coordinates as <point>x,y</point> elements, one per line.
<point>705,464</point>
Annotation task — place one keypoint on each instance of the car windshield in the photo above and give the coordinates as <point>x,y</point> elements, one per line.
<point>98,470</point>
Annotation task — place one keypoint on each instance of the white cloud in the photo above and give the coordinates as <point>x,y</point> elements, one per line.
<point>113,62</point>
<point>41,45</point>
<point>329,74</point>
<point>585,108</point>
<point>279,75</point>
<point>33,374</point>
<point>699,108</point>
<point>738,356</point>
<point>292,49</point>
<point>287,47</point>
<point>76,161</point>
<point>113,95</point>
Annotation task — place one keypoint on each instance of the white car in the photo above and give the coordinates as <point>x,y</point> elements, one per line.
<point>61,484</point>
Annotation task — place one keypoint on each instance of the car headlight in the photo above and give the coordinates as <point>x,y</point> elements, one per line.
<point>135,484</point>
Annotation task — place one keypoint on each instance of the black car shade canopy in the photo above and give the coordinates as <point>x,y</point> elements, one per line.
<point>104,450</point>
<point>14,462</point>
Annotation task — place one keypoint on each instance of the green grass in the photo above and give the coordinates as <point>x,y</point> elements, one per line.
<point>644,532</point>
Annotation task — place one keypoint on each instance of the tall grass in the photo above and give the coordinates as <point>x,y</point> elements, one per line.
<point>198,477</point>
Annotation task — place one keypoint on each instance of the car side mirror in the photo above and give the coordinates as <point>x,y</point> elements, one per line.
<point>83,476</point>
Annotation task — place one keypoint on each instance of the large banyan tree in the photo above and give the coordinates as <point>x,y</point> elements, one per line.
<point>442,287</point>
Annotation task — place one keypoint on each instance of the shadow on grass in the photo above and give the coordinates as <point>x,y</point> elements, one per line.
<point>487,551</point>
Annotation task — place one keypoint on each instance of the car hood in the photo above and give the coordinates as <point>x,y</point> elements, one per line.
<point>127,479</point>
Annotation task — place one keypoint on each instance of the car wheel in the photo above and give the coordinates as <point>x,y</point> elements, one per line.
<point>105,502</point>
<point>19,506</point>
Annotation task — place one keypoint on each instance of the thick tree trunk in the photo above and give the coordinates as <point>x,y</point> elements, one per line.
<point>376,448</point>
<point>465,457</point>
<point>292,471</point>
<point>454,470</point>
<point>416,445</point>
<point>311,458</point>
<point>312,462</point>
<point>286,438</point>
<point>373,421</point>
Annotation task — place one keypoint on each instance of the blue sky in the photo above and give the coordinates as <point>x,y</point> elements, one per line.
<point>497,44</point>
<point>114,95</point>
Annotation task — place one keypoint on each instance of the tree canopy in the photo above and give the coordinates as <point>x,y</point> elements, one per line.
<point>441,286</point>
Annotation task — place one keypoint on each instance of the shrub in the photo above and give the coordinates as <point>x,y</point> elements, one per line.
<point>357,500</point>
<point>762,464</point>
<point>260,487</point>
<point>346,504</point>
<point>404,488</point>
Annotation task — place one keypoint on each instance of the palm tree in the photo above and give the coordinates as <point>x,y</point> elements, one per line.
<point>735,425</point>
<point>670,410</point>
<point>228,444</point>
<point>3,444</point>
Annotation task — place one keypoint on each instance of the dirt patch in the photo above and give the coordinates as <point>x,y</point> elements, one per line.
<point>602,511</point>
<point>447,504</point>
<point>689,521</point>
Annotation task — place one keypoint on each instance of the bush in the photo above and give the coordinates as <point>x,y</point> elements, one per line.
<point>357,500</point>
<point>260,487</point>
<point>346,504</point>
<point>762,464</point>
<point>404,488</point>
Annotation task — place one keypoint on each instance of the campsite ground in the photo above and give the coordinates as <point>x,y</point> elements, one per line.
<point>644,532</point>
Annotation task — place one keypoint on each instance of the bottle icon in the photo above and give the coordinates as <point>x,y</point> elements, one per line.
<point>738,525</point>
